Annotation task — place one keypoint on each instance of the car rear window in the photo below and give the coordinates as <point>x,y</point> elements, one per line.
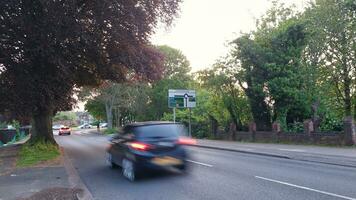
<point>160,131</point>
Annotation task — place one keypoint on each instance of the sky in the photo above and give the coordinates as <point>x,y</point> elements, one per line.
<point>205,27</point>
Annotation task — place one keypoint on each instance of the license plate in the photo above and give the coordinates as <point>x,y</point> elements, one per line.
<point>166,161</point>
<point>166,144</point>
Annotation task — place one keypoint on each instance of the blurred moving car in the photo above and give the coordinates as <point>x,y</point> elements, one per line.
<point>149,145</point>
<point>57,126</point>
<point>84,126</point>
<point>103,125</point>
<point>64,131</point>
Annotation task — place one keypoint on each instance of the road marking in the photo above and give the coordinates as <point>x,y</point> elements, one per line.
<point>306,188</point>
<point>199,163</point>
<point>294,150</point>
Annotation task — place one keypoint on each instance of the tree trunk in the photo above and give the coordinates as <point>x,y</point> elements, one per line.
<point>42,126</point>
<point>260,111</point>
<point>355,109</point>
<point>347,91</point>
<point>108,109</point>
<point>214,126</point>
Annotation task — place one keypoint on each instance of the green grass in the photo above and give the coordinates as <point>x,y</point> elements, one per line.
<point>110,131</point>
<point>31,154</point>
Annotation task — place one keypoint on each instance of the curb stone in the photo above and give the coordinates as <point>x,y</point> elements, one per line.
<point>74,179</point>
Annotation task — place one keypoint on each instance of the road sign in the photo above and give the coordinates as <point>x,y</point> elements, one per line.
<point>181,98</point>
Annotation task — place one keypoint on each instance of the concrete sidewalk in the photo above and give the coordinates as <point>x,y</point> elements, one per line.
<point>328,155</point>
<point>46,180</point>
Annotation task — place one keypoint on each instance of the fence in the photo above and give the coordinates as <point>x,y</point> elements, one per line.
<point>309,136</point>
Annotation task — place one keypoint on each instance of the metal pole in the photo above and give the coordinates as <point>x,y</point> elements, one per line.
<point>190,124</point>
<point>174,115</point>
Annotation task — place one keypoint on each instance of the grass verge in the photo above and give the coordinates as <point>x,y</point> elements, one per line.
<point>110,131</point>
<point>32,154</point>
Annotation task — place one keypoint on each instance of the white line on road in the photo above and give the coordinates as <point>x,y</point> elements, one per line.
<point>294,150</point>
<point>306,188</point>
<point>199,163</point>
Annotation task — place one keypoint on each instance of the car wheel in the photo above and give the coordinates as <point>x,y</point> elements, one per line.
<point>128,169</point>
<point>182,167</point>
<point>110,161</point>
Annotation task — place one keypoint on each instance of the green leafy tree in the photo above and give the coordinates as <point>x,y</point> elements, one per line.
<point>48,48</point>
<point>64,116</point>
<point>96,108</point>
<point>175,76</point>
<point>270,68</point>
<point>333,27</point>
<point>222,82</point>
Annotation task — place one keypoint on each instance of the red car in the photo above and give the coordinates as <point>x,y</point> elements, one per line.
<point>64,131</point>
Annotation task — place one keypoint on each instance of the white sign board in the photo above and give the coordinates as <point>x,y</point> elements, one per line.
<point>181,98</point>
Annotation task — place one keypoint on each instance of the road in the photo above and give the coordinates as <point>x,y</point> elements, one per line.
<point>214,174</point>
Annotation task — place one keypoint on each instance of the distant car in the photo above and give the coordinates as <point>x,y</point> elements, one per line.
<point>103,125</point>
<point>57,126</point>
<point>10,127</point>
<point>64,131</point>
<point>84,126</point>
<point>149,145</point>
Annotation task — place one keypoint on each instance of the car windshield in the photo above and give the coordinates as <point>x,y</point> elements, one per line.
<point>160,131</point>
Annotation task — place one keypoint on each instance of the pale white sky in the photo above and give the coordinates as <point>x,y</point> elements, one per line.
<point>205,27</point>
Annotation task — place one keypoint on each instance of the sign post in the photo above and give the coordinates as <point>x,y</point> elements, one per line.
<point>182,99</point>
<point>174,115</point>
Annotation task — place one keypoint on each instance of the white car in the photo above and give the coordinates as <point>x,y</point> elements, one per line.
<point>84,126</point>
<point>103,125</point>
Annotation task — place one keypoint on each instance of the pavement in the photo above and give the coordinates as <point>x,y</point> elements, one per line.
<point>216,173</point>
<point>343,156</point>
<point>46,180</point>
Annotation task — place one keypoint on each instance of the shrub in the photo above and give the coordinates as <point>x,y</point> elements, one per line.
<point>296,127</point>
<point>110,131</point>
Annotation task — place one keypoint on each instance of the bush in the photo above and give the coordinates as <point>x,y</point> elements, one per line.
<point>331,123</point>
<point>31,154</point>
<point>296,127</point>
<point>110,131</point>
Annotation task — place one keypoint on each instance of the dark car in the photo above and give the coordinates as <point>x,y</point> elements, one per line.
<point>149,145</point>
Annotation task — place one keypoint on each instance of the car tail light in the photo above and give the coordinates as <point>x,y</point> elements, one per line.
<point>140,146</point>
<point>186,141</point>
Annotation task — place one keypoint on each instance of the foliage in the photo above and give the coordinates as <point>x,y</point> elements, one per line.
<point>110,131</point>
<point>3,125</point>
<point>222,82</point>
<point>331,123</point>
<point>68,115</point>
<point>296,127</point>
<point>175,76</point>
<point>96,108</point>
<point>270,66</point>
<point>34,153</point>
<point>332,49</point>
<point>48,48</point>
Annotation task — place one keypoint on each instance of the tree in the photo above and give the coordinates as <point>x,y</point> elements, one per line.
<point>175,76</point>
<point>333,27</point>
<point>60,116</point>
<point>270,68</point>
<point>96,109</point>
<point>222,82</point>
<point>48,48</point>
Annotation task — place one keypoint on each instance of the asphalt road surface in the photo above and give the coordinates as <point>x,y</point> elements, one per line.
<point>213,174</point>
